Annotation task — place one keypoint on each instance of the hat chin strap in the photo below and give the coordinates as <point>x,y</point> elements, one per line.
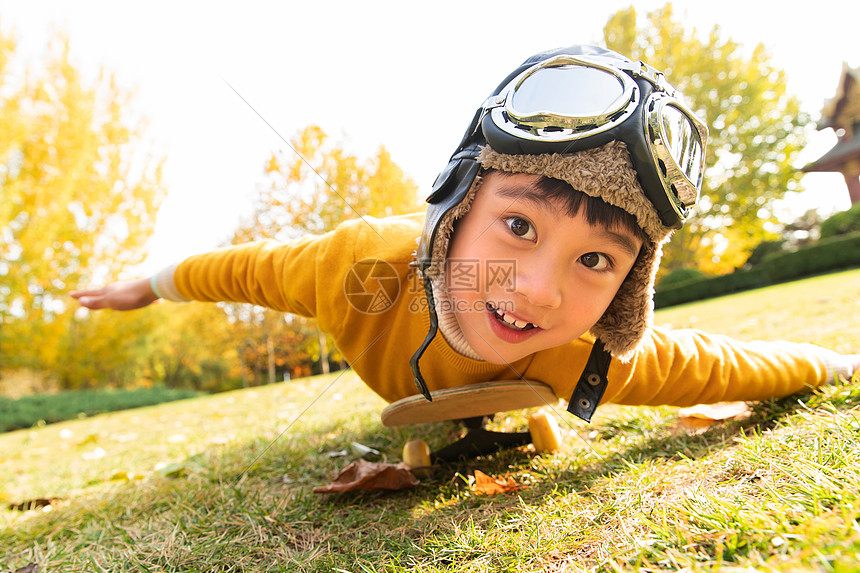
<point>431,334</point>
<point>592,383</point>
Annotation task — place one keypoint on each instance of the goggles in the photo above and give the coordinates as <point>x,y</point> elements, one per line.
<point>569,103</point>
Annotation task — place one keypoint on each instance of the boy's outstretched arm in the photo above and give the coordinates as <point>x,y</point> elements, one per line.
<point>685,367</point>
<point>127,295</point>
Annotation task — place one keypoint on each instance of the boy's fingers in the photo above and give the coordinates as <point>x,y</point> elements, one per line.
<point>855,359</point>
<point>94,299</point>
<point>77,294</point>
<point>92,302</point>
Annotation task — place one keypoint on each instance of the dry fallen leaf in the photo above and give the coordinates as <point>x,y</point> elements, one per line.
<point>370,476</point>
<point>700,417</point>
<point>174,470</point>
<point>363,451</point>
<point>718,411</point>
<point>126,476</point>
<point>33,503</point>
<point>29,568</point>
<point>491,485</point>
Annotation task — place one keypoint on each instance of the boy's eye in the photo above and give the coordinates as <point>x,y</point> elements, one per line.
<point>521,228</point>
<point>595,261</point>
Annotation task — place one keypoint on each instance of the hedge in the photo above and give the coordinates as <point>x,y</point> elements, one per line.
<point>826,255</point>
<point>842,223</point>
<point>49,408</point>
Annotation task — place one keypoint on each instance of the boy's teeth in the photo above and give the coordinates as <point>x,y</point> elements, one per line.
<point>511,320</point>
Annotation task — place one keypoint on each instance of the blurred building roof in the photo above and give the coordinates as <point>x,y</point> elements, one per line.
<point>843,152</point>
<point>843,109</point>
<point>842,114</point>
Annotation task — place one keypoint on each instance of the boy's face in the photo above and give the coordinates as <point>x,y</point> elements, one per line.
<point>535,277</point>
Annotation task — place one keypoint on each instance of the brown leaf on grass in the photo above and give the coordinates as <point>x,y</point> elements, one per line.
<point>700,417</point>
<point>491,485</point>
<point>28,568</point>
<point>370,476</point>
<point>33,503</point>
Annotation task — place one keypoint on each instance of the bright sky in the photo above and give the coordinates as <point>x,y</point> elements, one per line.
<point>401,74</point>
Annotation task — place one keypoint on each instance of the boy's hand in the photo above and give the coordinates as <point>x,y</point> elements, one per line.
<point>850,367</point>
<point>117,296</point>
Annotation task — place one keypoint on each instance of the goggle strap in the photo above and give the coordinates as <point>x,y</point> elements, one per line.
<point>642,70</point>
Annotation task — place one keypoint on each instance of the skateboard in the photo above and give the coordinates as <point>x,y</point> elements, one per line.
<point>473,405</point>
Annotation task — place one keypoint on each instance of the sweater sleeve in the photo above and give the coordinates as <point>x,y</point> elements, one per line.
<point>305,277</point>
<point>279,276</point>
<point>686,367</point>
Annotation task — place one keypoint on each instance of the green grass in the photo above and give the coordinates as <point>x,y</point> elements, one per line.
<point>822,309</point>
<point>223,482</point>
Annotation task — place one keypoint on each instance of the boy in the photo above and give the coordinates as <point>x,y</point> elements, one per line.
<point>536,257</point>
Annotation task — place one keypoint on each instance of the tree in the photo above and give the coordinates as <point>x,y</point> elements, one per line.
<point>175,345</point>
<point>77,198</point>
<point>193,345</point>
<point>311,189</point>
<point>756,132</point>
<point>317,185</point>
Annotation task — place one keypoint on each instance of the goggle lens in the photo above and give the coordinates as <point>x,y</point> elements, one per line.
<point>683,141</point>
<point>565,92</point>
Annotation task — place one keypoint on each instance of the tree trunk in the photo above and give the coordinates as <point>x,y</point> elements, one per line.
<point>323,351</point>
<point>270,353</point>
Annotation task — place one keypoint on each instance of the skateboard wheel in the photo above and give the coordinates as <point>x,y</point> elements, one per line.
<point>546,436</point>
<point>416,455</point>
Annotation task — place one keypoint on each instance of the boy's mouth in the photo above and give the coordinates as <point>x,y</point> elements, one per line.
<point>508,320</point>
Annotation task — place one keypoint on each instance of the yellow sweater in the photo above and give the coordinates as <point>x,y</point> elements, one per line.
<point>315,277</point>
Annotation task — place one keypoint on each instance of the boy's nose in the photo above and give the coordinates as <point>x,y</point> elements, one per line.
<point>540,285</point>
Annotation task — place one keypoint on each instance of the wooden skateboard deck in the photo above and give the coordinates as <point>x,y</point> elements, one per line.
<point>472,401</point>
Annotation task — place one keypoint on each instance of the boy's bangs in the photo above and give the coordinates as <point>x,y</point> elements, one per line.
<point>597,212</point>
